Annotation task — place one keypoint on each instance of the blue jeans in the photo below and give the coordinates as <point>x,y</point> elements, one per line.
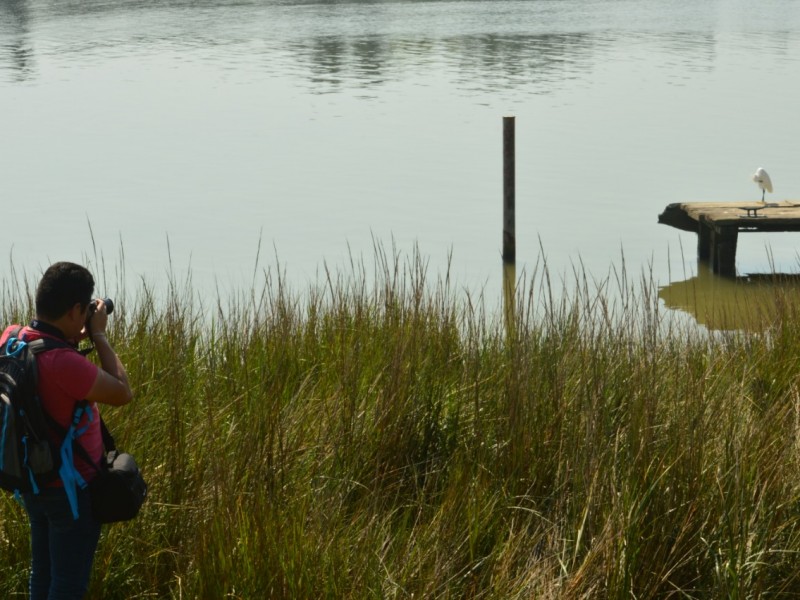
<point>62,549</point>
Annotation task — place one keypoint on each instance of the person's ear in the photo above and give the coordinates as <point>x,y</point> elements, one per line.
<point>76,312</point>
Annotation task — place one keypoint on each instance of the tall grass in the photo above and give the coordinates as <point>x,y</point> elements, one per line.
<point>383,436</point>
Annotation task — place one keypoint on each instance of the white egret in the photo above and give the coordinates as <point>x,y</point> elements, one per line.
<point>761,177</point>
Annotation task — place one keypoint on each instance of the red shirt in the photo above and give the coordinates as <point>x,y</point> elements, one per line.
<point>65,377</point>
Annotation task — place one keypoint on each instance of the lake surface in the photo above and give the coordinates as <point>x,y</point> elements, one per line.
<point>185,135</point>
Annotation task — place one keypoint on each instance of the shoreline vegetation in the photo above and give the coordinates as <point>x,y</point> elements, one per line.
<point>385,438</point>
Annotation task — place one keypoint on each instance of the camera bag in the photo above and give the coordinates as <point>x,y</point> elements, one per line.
<point>118,490</point>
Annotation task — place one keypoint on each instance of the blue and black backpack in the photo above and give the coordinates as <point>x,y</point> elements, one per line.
<point>29,458</point>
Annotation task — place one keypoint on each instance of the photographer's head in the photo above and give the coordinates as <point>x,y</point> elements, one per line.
<point>63,296</point>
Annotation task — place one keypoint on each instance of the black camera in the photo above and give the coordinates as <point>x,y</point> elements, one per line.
<point>93,307</point>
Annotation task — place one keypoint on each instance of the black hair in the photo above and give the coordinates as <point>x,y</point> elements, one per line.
<point>63,285</point>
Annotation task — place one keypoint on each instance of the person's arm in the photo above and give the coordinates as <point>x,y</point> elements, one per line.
<point>111,384</point>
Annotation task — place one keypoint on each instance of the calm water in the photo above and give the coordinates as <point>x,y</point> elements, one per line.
<point>187,132</point>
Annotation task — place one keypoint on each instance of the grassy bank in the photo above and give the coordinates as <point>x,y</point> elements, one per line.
<point>386,440</point>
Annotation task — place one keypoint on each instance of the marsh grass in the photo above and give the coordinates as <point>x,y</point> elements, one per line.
<point>383,436</point>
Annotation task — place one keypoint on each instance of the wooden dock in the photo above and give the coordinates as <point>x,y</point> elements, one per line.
<point>717,225</point>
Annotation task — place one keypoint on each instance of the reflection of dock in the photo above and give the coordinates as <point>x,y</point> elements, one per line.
<point>717,225</point>
<point>743,303</point>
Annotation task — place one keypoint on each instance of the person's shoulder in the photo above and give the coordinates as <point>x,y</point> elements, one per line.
<point>31,335</point>
<point>66,362</point>
<point>57,350</point>
<point>7,333</point>
<point>69,370</point>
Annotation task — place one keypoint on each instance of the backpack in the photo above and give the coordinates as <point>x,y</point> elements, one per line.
<point>29,459</point>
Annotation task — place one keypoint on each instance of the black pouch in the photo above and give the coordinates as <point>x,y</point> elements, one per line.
<point>119,490</point>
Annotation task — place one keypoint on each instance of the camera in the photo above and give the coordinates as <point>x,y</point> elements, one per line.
<point>93,307</point>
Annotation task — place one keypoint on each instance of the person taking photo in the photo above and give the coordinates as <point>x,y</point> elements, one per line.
<point>64,535</point>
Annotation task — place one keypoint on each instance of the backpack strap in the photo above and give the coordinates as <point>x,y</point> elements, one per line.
<point>12,345</point>
<point>108,445</point>
<point>68,473</point>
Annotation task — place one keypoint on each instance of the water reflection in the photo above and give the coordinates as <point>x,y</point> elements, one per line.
<point>484,46</point>
<point>332,62</point>
<point>504,62</point>
<point>489,47</point>
<point>481,63</point>
<point>750,303</point>
<point>16,49</point>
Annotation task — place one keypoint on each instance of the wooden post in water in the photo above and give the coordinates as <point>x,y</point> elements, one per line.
<point>703,241</point>
<point>723,250</point>
<point>509,225</point>
<point>716,244</point>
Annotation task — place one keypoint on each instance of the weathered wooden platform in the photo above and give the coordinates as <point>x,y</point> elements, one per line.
<point>718,224</point>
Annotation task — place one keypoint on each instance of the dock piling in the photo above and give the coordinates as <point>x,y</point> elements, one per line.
<point>723,250</point>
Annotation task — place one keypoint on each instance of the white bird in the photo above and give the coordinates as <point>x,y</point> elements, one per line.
<point>761,177</point>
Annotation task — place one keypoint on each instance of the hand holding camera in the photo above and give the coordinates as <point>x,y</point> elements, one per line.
<point>98,316</point>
